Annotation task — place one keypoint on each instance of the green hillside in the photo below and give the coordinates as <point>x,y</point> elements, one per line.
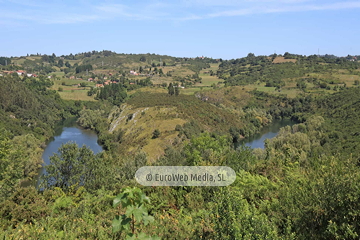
<point>303,185</point>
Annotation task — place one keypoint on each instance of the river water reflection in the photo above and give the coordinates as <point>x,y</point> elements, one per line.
<point>257,140</point>
<point>66,132</point>
<point>70,131</point>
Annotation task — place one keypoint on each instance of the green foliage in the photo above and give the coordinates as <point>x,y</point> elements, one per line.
<point>142,59</point>
<point>32,106</point>
<point>131,165</point>
<point>136,214</point>
<point>235,218</point>
<point>61,204</point>
<point>24,205</point>
<point>114,93</point>
<point>5,61</point>
<point>171,89</point>
<point>156,134</point>
<point>92,91</point>
<point>177,91</point>
<point>206,150</point>
<point>82,68</point>
<point>304,185</point>
<point>91,118</point>
<point>10,165</point>
<point>190,108</point>
<point>197,65</point>
<point>60,63</point>
<point>30,153</point>
<point>20,159</point>
<point>251,69</point>
<point>72,166</point>
<point>189,129</point>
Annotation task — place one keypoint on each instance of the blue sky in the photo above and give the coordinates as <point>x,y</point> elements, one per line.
<point>183,28</point>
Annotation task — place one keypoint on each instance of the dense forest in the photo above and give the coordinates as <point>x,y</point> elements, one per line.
<point>303,185</point>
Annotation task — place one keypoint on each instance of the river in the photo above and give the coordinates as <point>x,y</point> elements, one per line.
<point>66,131</point>
<point>257,140</point>
<point>69,130</point>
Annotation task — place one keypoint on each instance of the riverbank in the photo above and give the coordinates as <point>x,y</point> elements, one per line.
<point>65,131</point>
<point>267,132</point>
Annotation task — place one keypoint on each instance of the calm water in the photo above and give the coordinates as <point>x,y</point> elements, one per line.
<point>69,130</point>
<point>65,132</point>
<point>257,141</point>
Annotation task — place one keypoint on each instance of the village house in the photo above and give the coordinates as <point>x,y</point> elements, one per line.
<point>99,85</point>
<point>134,73</point>
<point>20,72</point>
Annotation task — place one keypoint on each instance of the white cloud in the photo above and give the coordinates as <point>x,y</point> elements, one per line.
<point>47,18</point>
<point>29,3</point>
<point>281,9</point>
<point>53,12</point>
<point>120,10</point>
<point>112,8</point>
<point>73,18</point>
<point>234,3</point>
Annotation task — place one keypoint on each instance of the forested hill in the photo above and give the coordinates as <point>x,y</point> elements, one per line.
<point>28,106</point>
<point>276,71</point>
<point>342,111</point>
<point>29,112</point>
<point>305,184</point>
<point>100,60</point>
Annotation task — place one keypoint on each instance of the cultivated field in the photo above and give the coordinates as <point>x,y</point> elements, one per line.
<point>71,90</point>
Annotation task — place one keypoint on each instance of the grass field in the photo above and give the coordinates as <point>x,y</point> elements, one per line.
<point>208,80</point>
<point>71,91</point>
<point>58,74</point>
<point>76,94</point>
<point>282,60</point>
<point>340,77</point>
<point>148,89</point>
<point>289,89</point>
<point>348,79</point>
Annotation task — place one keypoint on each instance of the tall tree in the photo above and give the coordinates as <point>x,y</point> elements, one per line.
<point>177,90</point>
<point>171,89</point>
<point>60,63</point>
<point>71,166</point>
